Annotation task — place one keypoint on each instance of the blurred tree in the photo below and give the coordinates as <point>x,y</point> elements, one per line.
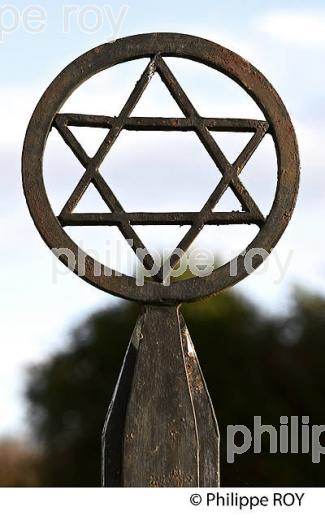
<point>20,464</point>
<point>254,366</point>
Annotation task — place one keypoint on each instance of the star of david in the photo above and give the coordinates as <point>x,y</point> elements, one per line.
<point>192,121</point>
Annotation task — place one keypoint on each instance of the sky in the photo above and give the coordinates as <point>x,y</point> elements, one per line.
<point>41,301</point>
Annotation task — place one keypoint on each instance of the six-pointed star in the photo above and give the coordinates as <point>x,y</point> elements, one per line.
<point>191,122</point>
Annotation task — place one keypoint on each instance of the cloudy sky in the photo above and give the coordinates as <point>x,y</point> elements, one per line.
<point>41,301</point>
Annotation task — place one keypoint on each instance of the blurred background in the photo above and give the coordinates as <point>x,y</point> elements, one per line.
<point>62,340</point>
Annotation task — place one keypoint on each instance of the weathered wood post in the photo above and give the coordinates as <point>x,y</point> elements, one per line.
<point>161,417</point>
<point>161,428</point>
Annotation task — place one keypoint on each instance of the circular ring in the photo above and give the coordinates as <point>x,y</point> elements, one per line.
<point>171,45</point>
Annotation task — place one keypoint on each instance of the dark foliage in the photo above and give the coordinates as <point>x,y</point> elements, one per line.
<point>254,366</point>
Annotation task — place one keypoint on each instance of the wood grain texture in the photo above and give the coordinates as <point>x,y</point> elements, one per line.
<point>160,440</point>
<point>113,431</point>
<point>161,429</point>
<point>207,426</point>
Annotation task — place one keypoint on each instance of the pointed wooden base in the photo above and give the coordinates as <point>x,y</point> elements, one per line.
<point>160,429</point>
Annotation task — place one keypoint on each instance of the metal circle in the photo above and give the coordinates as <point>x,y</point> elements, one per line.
<point>173,45</point>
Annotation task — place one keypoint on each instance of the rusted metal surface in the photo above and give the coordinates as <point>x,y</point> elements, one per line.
<point>161,428</point>
<point>156,47</point>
